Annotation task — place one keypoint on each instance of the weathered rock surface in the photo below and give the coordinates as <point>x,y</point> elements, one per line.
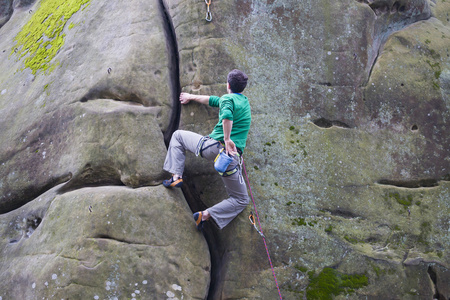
<point>348,154</point>
<point>104,242</point>
<point>85,131</point>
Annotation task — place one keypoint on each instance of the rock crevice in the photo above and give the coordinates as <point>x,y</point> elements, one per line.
<point>174,70</point>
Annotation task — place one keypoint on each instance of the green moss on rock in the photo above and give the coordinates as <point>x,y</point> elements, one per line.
<point>42,37</point>
<point>330,282</point>
<point>350,240</point>
<point>301,268</point>
<point>405,201</point>
<point>299,222</point>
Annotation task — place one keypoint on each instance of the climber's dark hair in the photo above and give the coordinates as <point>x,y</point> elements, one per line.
<point>237,80</point>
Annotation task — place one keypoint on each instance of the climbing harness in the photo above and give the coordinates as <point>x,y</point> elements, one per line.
<point>229,173</point>
<point>260,229</point>
<point>199,149</point>
<point>208,11</point>
<point>235,169</point>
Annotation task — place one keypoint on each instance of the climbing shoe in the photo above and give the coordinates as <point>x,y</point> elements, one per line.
<point>198,220</point>
<point>170,183</point>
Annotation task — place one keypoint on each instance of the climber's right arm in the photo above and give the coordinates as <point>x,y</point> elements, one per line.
<point>185,98</point>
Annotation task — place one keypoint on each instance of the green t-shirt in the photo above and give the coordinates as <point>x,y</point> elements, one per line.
<point>234,107</point>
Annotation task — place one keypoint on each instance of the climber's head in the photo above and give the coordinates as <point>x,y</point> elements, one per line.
<point>237,81</point>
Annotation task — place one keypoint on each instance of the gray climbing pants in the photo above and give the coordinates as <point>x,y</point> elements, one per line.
<point>225,211</point>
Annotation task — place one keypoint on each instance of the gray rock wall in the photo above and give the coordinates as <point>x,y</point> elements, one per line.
<point>83,213</point>
<point>348,156</point>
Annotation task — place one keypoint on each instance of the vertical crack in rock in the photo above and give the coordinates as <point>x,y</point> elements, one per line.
<point>190,194</point>
<point>372,65</point>
<point>174,71</point>
<point>213,238</point>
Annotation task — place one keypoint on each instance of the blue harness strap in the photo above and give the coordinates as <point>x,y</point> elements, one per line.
<point>201,142</point>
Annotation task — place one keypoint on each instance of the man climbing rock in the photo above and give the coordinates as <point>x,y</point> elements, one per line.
<point>230,134</point>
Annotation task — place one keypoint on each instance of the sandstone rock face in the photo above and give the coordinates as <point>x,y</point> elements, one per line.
<point>348,156</point>
<point>82,129</point>
<point>104,242</point>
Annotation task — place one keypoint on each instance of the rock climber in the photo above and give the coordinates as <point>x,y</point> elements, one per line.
<point>229,134</point>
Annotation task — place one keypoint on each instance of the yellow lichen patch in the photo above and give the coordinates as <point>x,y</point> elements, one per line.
<point>42,37</point>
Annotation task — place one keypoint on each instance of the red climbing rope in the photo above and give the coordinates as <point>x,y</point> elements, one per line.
<point>260,229</point>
